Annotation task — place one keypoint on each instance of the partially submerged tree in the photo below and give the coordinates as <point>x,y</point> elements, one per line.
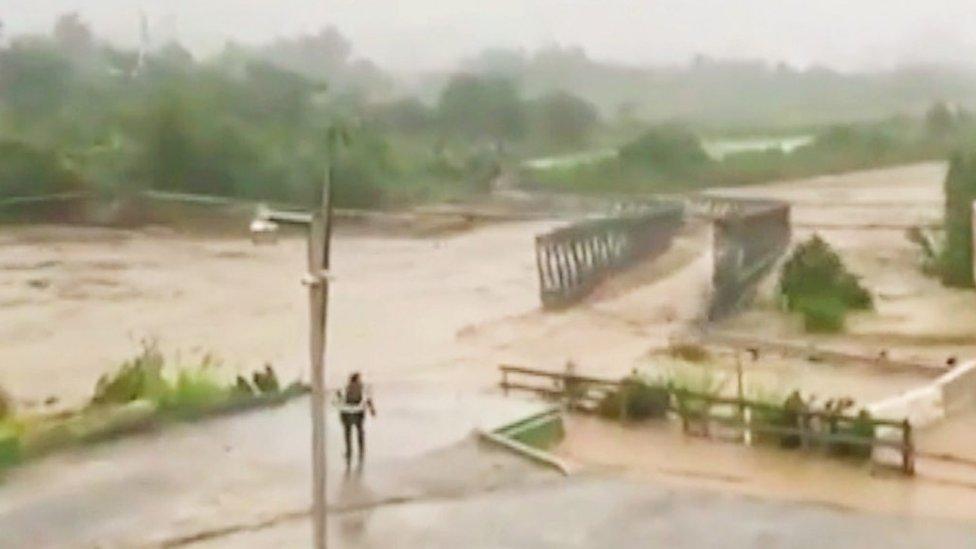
<point>815,283</point>
<point>956,259</point>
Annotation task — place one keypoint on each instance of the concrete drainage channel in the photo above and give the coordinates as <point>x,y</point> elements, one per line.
<point>531,437</point>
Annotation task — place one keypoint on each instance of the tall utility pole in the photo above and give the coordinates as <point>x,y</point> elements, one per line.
<point>317,281</point>
<point>318,299</point>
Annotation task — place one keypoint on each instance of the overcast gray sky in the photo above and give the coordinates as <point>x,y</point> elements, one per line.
<point>431,34</point>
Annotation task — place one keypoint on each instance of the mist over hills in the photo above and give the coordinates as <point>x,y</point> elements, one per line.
<point>707,92</point>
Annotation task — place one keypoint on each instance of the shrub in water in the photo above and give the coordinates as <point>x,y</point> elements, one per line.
<point>862,428</point>
<point>9,444</point>
<point>956,257</point>
<point>637,399</point>
<point>773,416</point>
<point>823,315</point>
<point>6,405</point>
<point>771,413</point>
<point>644,401</point>
<point>611,405</point>
<point>688,381</point>
<point>692,352</point>
<point>815,283</point>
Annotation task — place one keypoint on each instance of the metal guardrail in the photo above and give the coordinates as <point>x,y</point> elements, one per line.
<point>40,199</point>
<point>288,213</point>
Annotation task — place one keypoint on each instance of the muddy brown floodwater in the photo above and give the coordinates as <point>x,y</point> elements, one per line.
<point>865,215</point>
<point>662,453</point>
<point>444,311</point>
<point>75,302</point>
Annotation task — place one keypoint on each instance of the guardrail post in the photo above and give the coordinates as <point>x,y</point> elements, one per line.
<point>804,420</point>
<point>683,412</point>
<point>623,402</point>
<point>747,419</point>
<point>907,449</point>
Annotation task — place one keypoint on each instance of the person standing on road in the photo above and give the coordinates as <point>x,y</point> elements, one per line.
<point>353,402</point>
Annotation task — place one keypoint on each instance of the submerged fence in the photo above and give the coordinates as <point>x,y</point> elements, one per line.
<point>573,259</point>
<point>749,237</point>
<point>757,421</point>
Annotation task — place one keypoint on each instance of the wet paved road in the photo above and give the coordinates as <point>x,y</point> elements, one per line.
<point>599,512</point>
<point>250,468</point>
<point>242,482</point>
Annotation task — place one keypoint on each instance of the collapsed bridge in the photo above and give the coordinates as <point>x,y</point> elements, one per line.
<point>572,260</point>
<point>748,238</point>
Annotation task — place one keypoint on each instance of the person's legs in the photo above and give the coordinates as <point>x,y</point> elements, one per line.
<point>346,427</point>
<point>360,437</point>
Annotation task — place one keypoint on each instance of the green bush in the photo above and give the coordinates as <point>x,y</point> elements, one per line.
<point>822,315</point>
<point>777,412</point>
<point>28,171</point>
<point>772,416</point>
<point>195,388</point>
<point>138,378</point>
<point>815,283</point>
<point>6,405</point>
<point>862,428</point>
<point>770,413</point>
<point>688,383</point>
<point>637,399</point>
<point>10,444</point>
<point>668,149</point>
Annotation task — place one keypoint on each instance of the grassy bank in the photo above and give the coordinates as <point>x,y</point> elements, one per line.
<point>144,393</point>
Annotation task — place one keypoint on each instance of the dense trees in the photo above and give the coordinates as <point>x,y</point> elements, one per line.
<point>26,170</point>
<point>252,121</point>
<point>473,107</point>
<point>564,121</point>
<point>34,80</point>
<point>668,149</point>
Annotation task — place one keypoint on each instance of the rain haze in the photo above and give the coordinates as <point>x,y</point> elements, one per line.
<point>503,273</point>
<point>432,35</point>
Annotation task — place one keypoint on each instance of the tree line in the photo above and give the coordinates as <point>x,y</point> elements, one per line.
<point>251,122</point>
